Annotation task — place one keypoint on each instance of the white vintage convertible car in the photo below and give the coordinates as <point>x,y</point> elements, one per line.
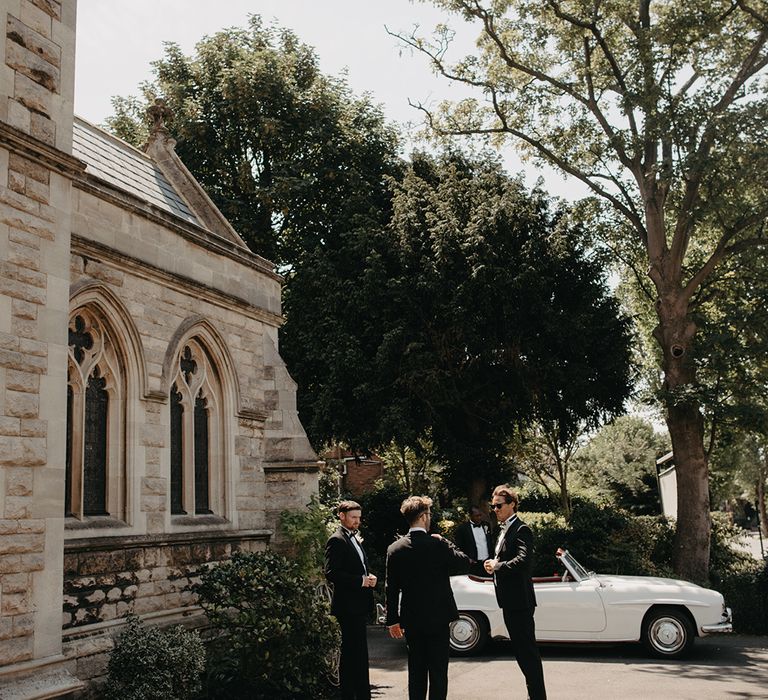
<point>581,606</point>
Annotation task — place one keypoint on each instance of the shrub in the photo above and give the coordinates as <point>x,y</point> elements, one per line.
<point>307,532</point>
<point>276,635</point>
<point>149,663</point>
<point>746,592</point>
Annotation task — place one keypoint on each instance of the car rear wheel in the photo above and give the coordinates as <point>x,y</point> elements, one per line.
<point>468,634</point>
<point>667,633</point>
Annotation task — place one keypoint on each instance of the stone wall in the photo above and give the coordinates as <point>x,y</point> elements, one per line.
<point>107,578</point>
<point>36,92</point>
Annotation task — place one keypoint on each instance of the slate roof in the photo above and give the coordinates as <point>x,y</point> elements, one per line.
<point>119,164</point>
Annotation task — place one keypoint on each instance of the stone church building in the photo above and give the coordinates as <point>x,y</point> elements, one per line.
<point>147,422</point>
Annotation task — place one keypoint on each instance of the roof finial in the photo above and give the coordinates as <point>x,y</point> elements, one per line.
<point>159,113</point>
<point>158,131</point>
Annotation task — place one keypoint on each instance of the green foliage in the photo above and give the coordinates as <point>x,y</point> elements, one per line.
<point>307,531</point>
<point>382,522</point>
<point>618,465</point>
<point>742,580</point>
<point>746,593</point>
<point>490,312</point>
<point>607,540</point>
<point>291,156</point>
<point>149,663</point>
<point>276,633</point>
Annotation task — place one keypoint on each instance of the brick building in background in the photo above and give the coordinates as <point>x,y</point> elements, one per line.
<point>357,473</point>
<point>147,421</point>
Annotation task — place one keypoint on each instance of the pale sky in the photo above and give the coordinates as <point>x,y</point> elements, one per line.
<point>118,39</point>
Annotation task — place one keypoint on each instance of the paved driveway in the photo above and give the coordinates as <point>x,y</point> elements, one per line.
<point>719,668</point>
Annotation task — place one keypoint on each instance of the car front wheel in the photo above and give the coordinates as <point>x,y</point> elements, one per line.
<point>468,634</point>
<point>667,633</point>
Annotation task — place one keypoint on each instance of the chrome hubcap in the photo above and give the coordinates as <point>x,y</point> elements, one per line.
<point>667,634</point>
<point>464,633</point>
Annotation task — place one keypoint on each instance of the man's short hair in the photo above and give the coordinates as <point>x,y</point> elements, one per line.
<point>508,493</point>
<point>346,506</point>
<point>414,506</point>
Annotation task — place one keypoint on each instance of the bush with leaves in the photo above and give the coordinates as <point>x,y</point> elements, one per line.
<point>276,635</point>
<point>746,592</point>
<point>148,663</point>
<point>307,531</point>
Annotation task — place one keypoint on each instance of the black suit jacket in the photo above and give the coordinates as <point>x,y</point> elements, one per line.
<point>345,571</point>
<point>514,587</point>
<point>465,540</point>
<point>419,567</point>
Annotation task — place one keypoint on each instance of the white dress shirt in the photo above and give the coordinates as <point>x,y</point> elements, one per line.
<point>481,542</point>
<point>504,526</point>
<point>358,549</point>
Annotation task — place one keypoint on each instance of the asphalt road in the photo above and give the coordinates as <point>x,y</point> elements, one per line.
<point>719,668</point>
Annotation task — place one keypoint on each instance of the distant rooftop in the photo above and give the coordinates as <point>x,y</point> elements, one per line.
<point>116,162</point>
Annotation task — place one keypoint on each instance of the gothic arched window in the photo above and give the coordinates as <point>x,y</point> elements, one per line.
<point>95,399</point>
<point>196,463</point>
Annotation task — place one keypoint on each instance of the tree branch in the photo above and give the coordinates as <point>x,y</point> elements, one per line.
<point>607,53</point>
<point>751,64</point>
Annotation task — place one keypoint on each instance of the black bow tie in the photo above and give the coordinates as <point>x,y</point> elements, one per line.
<point>480,525</point>
<point>351,533</point>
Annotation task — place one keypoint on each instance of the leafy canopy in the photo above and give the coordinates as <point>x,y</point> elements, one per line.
<point>291,156</point>
<point>482,308</point>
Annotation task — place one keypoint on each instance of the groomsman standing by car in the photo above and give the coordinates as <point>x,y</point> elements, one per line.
<point>511,569</point>
<point>419,567</point>
<point>473,537</point>
<point>346,567</point>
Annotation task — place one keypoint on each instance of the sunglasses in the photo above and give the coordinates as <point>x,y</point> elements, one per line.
<point>497,506</point>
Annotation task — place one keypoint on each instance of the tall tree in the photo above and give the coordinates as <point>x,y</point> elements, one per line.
<point>499,315</point>
<point>291,156</point>
<point>659,109</point>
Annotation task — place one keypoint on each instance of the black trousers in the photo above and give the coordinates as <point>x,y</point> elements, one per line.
<point>522,634</point>
<point>353,666</point>
<point>427,661</point>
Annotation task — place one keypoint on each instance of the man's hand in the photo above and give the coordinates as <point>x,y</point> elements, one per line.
<point>490,565</point>
<point>369,581</point>
<point>395,631</point>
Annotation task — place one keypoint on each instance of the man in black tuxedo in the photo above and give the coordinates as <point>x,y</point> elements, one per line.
<point>511,569</point>
<point>346,567</point>
<point>419,567</point>
<point>473,537</point>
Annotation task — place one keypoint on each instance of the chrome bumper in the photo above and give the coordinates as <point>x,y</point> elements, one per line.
<point>723,626</point>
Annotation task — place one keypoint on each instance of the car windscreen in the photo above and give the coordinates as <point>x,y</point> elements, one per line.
<point>576,568</point>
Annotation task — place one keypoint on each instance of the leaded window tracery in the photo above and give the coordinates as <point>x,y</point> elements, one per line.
<point>195,418</point>
<point>95,401</point>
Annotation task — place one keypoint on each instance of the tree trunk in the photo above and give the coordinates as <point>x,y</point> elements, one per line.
<point>761,509</point>
<point>565,501</point>
<point>685,422</point>
<point>478,493</point>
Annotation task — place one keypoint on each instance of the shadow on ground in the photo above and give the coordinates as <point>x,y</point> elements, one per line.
<point>734,657</point>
